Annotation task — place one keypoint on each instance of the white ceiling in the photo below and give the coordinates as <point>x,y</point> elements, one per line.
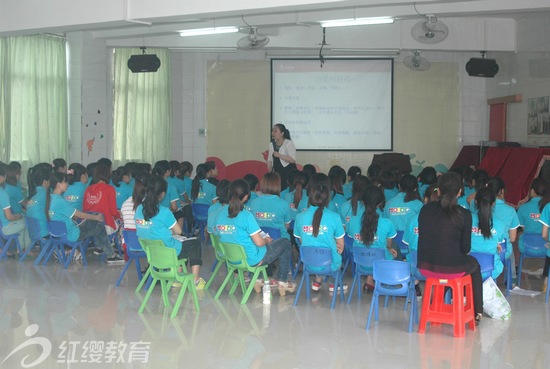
<point>290,24</point>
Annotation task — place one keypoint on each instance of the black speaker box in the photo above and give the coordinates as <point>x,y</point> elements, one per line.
<point>144,63</point>
<point>478,67</point>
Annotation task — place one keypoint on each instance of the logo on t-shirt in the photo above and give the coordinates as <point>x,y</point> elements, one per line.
<point>226,228</point>
<point>31,203</point>
<point>144,223</point>
<point>534,215</point>
<point>477,231</point>
<point>399,211</point>
<point>309,229</point>
<point>72,198</point>
<point>94,199</point>
<point>264,215</point>
<point>415,230</point>
<point>357,237</point>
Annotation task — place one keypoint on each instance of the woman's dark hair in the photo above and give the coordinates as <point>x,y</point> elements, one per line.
<point>372,197</point>
<point>479,178</point>
<point>373,171</point>
<point>387,179</point>
<point>90,168</point>
<point>210,165</point>
<point>161,167</point>
<point>497,185</point>
<point>186,167</point>
<point>336,184</point>
<point>222,191</point>
<point>107,162</point>
<point>427,176</point>
<point>339,171</point>
<point>449,186</point>
<point>16,164</point>
<point>540,186</point>
<point>270,184</point>
<point>138,194</point>
<point>485,199</point>
<point>353,172</point>
<point>238,189</point>
<point>290,179</point>
<point>409,186</point>
<point>196,184</point>
<point>55,178</point>
<point>11,175</point>
<point>3,170</point>
<point>36,176</point>
<point>319,195</point>
<point>75,172</point>
<point>284,131</point>
<point>154,187</point>
<point>117,175</point>
<point>252,181</point>
<point>431,193</point>
<point>359,184</point>
<point>300,182</point>
<point>58,164</point>
<point>175,168</point>
<point>101,173</point>
<point>309,170</point>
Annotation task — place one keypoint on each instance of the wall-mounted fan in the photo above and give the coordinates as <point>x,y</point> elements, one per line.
<point>253,41</point>
<point>416,62</point>
<point>430,30</point>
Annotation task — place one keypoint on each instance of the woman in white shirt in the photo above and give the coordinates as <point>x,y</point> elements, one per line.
<point>282,152</point>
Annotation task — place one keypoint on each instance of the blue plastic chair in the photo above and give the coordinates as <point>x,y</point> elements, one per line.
<point>347,255</point>
<point>364,258</point>
<point>134,252</point>
<point>403,247</point>
<point>33,226</point>
<point>507,267</point>
<point>200,213</point>
<point>273,232</point>
<point>58,238</point>
<point>533,247</point>
<point>7,241</point>
<point>393,278</point>
<point>486,262</point>
<point>317,261</point>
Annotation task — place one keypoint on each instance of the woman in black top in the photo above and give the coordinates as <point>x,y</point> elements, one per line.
<point>444,237</point>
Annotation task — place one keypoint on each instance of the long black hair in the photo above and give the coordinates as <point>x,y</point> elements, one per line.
<point>284,131</point>
<point>238,189</point>
<point>319,195</point>
<point>201,171</point>
<point>372,198</point>
<point>449,186</point>
<point>36,176</point>
<point>55,178</point>
<point>409,186</point>
<point>154,188</point>
<point>485,199</point>
<point>359,184</point>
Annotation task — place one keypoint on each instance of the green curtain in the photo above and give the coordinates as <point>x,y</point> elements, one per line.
<point>33,99</point>
<point>142,110</point>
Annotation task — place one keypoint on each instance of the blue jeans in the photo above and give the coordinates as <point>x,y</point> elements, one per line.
<point>18,226</point>
<point>96,230</point>
<point>279,249</point>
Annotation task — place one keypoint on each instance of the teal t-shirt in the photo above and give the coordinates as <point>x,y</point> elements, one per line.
<point>529,215</point>
<point>240,230</point>
<point>123,191</point>
<point>75,194</point>
<point>330,229</point>
<point>271,211</point>
<point>384,230</point>
<point>16,198</point>
<point>4,204</point>
<point>62,210</point>
<point>36,208</point>
<point>400,212</point>
<point>509,217</point>
<point>158,227</point>
<point>207,193</point>
<point>213,212</point>
<point>489,245</point>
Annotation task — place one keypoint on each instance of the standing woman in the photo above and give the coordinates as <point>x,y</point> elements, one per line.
<point>444,238</point>
<point>282,153</point>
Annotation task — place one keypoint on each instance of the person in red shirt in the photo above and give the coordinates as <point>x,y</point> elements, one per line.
<point>100,197</point>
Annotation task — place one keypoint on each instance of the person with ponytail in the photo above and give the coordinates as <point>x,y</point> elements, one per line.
<point>202,191</point>
<point>530,212</point>
<point>238,225</point>
<point>354,205</point>
<point>120,180</point>
<point>77,177</point>
<point>444,238</point>
<point>128,208</point>
<point>353,172</point>
<point>90,225</point>
<point>171,197</point>
<point>11,223</point>
<point>405,205</point>
<point>281,156</point>
<point>487,230</point>
<point>59,165</point>
<point>39,183</point>
<point>156,222</point>
<point>319,226</point>
<point>369,229</point>
<point>297,198</point>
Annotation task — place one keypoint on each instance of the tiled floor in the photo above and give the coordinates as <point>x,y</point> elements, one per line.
<point>75,318</point>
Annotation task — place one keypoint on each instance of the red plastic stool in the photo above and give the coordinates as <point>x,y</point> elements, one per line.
<point>458,313</point>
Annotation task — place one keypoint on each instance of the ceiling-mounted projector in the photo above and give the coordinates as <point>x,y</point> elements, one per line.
<point>144,62</point>
<point>481,67</point>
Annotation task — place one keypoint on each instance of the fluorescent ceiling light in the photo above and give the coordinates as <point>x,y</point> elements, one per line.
<point>208,31</point>
<point>356,22</point>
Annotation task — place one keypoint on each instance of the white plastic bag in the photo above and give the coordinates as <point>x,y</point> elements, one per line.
<point>494,303</point>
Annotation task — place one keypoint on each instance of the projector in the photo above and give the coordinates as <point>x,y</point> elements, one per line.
<point>144,63</point>
<point>481,67</point>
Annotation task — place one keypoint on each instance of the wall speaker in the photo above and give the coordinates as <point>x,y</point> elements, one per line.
<point>144,63</point>
<point>480,67</point>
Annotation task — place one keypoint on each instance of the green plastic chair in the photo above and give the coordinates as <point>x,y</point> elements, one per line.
<point>164,265</point>
<point>220,257</point>
<point>236,261</point>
